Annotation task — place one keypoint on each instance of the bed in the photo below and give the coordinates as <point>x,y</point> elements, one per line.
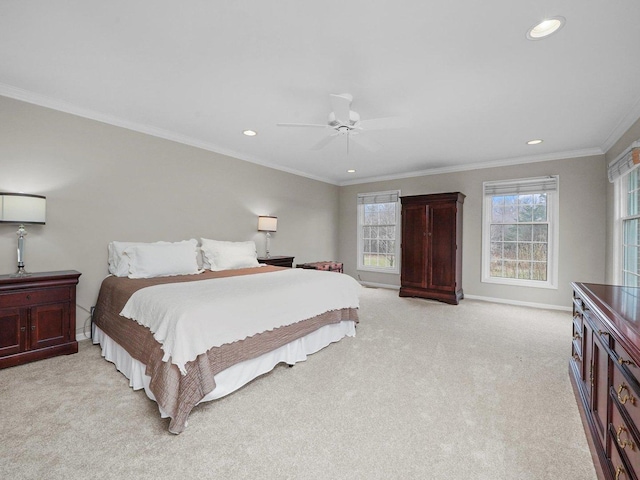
<point>189,339</point>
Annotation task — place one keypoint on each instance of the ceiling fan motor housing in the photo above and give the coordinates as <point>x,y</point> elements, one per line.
<point>354,117</point>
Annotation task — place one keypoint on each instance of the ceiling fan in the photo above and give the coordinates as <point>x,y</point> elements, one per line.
<point>347,123</point>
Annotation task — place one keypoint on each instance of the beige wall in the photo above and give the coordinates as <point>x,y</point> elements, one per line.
<point>620,146</point>
<point>106,183</point>
<point>582,225</point>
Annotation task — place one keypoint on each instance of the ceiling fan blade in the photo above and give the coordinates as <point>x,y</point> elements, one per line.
<point>302,125</point>
<point>324,142</point>
<point>366,143</point>
<point>341,105</point>
<point>383,123</point>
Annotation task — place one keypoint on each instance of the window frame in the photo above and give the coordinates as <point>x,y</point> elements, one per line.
<point>553,207</point>
<point>360,227</point>
<point>621,216</point>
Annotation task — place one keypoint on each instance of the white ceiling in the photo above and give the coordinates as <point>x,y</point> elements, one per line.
<point>473,88</point>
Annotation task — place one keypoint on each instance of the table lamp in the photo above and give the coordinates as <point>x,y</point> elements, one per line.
<point>267,224</point>
<point>21,209</point>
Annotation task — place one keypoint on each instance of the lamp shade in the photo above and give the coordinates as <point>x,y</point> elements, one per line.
<point>21,208</point>
<point>267,224</point>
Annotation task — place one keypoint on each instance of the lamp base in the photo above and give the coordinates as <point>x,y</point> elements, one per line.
<point>20,273</point>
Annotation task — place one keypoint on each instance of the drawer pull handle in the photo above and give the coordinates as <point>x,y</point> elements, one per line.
<point>577,336</point>
<point>602,332</point>
<point>625,362</point>
<point>627,397</point>
<point>620,471</point>
<point>28,297</point>
<point>624,443</point>
<point>576,357</point>
<point>23,329</point>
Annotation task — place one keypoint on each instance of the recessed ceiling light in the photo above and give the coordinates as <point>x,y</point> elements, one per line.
<point>250,133</point>
<point>351,170</point>
<point>545,28</point>
<point>534,142</point>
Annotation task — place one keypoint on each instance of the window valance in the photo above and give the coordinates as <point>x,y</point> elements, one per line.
<point>380,197</point>
<point>626,161</point>
<point>522,186</point>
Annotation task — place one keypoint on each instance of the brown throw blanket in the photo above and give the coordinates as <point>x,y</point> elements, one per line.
<point>177,394</point>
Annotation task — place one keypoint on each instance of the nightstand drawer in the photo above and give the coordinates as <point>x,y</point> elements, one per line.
<point>31,297</point>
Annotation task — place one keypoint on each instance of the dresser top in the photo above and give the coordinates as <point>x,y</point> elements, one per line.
<point>38,277</point>
<point>621,307</point>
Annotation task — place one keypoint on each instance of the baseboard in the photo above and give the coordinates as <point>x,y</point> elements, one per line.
<point>380,285</point>
<point>518,303</point>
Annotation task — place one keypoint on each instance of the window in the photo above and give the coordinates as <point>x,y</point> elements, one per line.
<point>378,231</point>
<point>623,172</point>
<point>631,230</point>
<point>520,232</point>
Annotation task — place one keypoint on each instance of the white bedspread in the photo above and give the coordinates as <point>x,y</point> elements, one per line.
<point>190,318</point>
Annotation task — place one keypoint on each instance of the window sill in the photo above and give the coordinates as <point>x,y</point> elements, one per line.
<point>520,283</point>
<point>395,271</point>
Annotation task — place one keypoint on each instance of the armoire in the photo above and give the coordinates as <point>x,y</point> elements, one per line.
<point>431,245</point>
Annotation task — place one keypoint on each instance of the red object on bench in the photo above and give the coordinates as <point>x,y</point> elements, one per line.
<point>330,266</point>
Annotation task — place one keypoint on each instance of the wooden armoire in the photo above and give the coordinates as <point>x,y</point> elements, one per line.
<point>431,265</point>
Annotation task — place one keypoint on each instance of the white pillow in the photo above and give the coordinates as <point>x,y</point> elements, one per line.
<point>219,255</point>
<point>119,263</point>
<point>162,259</point>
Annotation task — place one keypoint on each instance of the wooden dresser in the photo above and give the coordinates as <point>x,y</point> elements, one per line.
<point>432,247</point>
<point>604,371</point>
<point>37,316</point>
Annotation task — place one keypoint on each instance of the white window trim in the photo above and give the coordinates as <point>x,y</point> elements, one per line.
<point>617,171</point>
<point>552,250</point>
<point>619,207</point>
<point>366,268</point>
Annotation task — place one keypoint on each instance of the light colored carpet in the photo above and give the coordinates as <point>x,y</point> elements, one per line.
<point>424,391</point>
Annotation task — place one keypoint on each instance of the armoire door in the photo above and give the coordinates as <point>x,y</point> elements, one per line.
<point>414,245</point>
<point>442,251</point>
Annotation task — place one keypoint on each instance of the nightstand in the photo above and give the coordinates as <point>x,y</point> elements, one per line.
<point>37,317</point>
<point>277,261</point>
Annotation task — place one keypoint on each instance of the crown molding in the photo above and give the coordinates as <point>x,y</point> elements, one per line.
<point>623,125</point>
<point>587,152</point>
<point>62,106</point>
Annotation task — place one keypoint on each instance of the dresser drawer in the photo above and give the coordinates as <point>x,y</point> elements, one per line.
<point>577,338</point>
<point>624,361</point>
<point>626,392</point>
<point>625,436</point>
<point>599,330</point>
<point>620,469</point>
<point>32,297</point>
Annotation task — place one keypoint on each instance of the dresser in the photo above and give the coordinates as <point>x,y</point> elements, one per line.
<point>278,261</point>
<point>37,316</point>
<point>431,265</point>
<point>604,372</point>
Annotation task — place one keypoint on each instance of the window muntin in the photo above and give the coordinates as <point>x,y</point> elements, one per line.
<point>519,239</point>
<point>378,231</point>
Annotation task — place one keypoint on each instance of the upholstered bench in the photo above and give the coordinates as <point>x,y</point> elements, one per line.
<point>331,266</point>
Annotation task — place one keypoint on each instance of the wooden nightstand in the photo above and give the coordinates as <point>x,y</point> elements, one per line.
<point>37,317</point>
<point>277,261</point>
